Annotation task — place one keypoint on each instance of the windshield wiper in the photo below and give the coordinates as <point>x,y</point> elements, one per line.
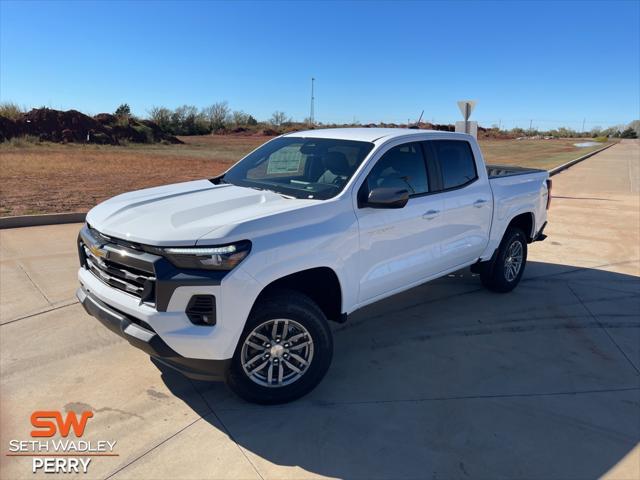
<point>290,197</point>
<point>219,180</point>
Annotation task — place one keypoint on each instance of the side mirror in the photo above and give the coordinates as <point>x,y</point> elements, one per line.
<point>387,197</point>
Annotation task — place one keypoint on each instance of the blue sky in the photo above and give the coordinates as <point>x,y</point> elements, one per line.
<point>556,63</point>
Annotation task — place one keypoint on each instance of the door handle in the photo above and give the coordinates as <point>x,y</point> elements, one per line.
<point>431,214</point>
<point>479,203</point>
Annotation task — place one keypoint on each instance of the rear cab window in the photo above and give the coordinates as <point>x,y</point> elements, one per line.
<point>453,163</point>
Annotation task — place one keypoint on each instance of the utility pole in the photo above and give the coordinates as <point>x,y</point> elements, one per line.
<point>530,125</point>
<point>311,121</point>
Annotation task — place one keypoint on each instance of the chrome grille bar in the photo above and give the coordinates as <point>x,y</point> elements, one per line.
<point>118,266</point>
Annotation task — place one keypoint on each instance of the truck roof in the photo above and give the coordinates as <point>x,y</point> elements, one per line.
<point>366,134</point>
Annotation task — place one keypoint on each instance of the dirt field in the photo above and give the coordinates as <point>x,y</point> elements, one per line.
<point>48,178</point>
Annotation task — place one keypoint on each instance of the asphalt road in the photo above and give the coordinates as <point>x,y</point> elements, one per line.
<point>444,381</point>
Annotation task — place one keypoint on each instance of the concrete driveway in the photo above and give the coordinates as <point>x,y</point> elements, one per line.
<point>444,381</point>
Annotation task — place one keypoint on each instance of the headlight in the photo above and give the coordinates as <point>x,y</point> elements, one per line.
<point>224,257</point>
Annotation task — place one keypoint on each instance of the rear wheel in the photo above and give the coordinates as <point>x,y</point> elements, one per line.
<point>505,272</point>
<point>284,351</point>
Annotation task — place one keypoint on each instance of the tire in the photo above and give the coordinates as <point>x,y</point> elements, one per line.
<point>498,276</point>
<point>312,342</point>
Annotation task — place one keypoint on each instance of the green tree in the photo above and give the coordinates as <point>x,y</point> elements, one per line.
<point>123,111</point>
<point>186,120</point>
<point>628,133</point>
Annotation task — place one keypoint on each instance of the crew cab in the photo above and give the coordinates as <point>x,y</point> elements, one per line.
<point>236,277</point>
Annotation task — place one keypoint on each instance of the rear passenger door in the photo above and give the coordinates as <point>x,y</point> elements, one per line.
<point>399,247</point>
<point>467,198</point>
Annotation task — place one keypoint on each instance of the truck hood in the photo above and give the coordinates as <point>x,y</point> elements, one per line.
<point>182,213</point>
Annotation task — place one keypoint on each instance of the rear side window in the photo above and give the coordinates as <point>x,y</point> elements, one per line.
<point>401,167</point>
<point>455,161</point>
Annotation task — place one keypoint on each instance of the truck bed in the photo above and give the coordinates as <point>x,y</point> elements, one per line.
<point>497,171</point>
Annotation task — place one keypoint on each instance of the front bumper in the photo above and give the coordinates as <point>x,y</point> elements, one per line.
<point>163,306</point>
<point>141,335</point>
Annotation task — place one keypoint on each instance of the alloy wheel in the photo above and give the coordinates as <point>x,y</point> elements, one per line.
<point>513,261</point>
<point>277,353</point>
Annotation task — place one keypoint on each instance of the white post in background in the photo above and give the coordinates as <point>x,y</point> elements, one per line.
<point>311,120</point>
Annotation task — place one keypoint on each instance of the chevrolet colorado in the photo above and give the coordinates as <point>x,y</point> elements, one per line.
<point>236,277</point>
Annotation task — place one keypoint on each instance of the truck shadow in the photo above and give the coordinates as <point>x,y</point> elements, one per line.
<point>450,380</point>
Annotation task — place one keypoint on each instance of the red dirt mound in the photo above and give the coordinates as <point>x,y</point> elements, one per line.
<point>58,126</point>
<point>73,126</point>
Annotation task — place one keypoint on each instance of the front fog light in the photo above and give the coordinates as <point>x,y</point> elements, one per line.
<point>224,257</point>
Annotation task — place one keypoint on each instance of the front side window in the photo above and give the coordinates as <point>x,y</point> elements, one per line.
<point>456,162</point>
<point>401,167</point>
<point>315,168</point>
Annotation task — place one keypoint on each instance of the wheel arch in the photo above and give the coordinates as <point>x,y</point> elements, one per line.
<point>321,284</point>
<point>525,222</point>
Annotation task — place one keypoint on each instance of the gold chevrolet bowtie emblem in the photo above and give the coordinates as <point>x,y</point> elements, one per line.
<point>97,251</point>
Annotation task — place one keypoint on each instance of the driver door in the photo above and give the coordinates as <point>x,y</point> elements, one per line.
<point>399,247</point>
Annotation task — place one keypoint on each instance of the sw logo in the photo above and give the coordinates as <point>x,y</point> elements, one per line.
<point>50,422</point>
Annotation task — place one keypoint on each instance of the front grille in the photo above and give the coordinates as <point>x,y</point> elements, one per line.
<point>111,263</point>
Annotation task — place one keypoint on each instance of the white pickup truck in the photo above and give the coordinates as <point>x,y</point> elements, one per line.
<point>236,277</point>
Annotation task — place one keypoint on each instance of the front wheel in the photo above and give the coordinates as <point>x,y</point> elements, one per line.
<point>284,351</point>
<point>508,267</point>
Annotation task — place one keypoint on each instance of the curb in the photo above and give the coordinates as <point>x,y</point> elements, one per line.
<point>47,219</point>
<point>61,218</point>
<point>571,163</point>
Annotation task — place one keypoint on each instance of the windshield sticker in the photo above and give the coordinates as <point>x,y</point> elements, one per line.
<point>284,164</point>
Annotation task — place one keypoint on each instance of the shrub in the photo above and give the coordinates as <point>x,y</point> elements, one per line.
<point>144,133</point>
<point>100,138</point>
<point>11,110</point>
<point>23,141</point>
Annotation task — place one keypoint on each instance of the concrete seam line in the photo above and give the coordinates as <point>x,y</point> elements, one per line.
<point>30,315</point>
<point>152,448</point>
<point>37,220</point>
<point>24,270</point>
<point>229,434</point>
<point>571,163</point>
<point>603,327</point>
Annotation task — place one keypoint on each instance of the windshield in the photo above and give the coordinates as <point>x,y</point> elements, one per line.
<point>315,168</point>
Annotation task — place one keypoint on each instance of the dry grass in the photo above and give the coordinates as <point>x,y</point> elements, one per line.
<point>544,154</point>
<point>48,178</point>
